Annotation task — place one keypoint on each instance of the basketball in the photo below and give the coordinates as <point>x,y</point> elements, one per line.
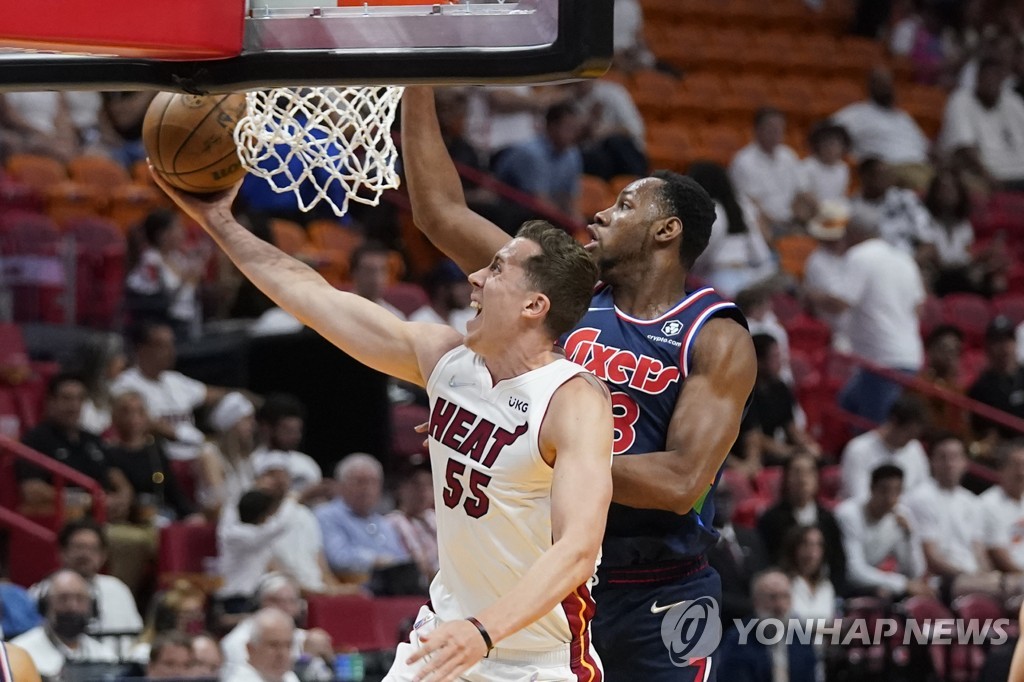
<point>190,140</point>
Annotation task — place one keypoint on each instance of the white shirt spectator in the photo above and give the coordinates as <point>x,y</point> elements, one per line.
<point>825,272</point>
<point>770,180</point>
<point>952,519</point>
<point>245,549</point>
<point>457,318</point>
<point>154,274</point>
<point>952,245</point>
<point>868,451</point>
<point>628,21</point>
<point>813,602</point>
<point>903,221</point>
<point>997,133</point>
<point>869,544</point>
<point>616,108</point>
<point>887,134</point>
<point>172,397</point>
<point>733,261</point>
<point>236,655</point>
<point>50,657</point>
<point>1004,522</point>
<point>495,130</point>
<point>884,290</point>
<point>298,550</point>
<point>824,181</point>
<point>303,469</point>
<point>41,109</point>
<point>246,673</point>
<point>118,612</point>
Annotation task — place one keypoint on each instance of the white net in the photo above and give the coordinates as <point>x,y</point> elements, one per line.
<point>322,144</point>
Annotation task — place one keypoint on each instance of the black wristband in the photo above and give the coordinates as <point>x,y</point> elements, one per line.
<point>483,632</point>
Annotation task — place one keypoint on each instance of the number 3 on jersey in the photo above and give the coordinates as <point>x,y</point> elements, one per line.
<point>625,412</point>
<point>477,502</point>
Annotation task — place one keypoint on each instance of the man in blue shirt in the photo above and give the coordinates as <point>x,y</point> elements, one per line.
<point>549,166</point>
<point>357,539</point>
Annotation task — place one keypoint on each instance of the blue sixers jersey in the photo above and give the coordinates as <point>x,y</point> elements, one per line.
<point>645,363</point>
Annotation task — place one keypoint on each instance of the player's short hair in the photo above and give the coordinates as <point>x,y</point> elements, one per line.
<point>907,410</point>
<point>139,334</point>
<point>54,385</point>
<point>684,198</point>
<point>563,271</point>
<point>278,406</point>
<point>73,528</point>
<point>885,472</point>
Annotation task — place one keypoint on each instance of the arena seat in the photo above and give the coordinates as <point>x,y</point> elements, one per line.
<point>100,270</point>
<point>184,547</point>
<point>971,313</point>
<point>808,334</point>
<point>769,482</point>
<point>69,200</point>
<point>351,620</point>
<point>36,171</point>
<point>99,171</point>
<point>595,195</point>
<point>396,616</point>
<point>1010,305</point>
<point>30,244</point>
<point>131,203</point>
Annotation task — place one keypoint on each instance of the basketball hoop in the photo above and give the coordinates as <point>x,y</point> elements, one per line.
<point>323,144</point>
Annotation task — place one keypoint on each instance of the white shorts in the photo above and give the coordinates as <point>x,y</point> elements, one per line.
<point>503,665</point>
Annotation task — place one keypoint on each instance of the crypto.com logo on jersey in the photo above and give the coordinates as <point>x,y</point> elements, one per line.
<point>692,630</point>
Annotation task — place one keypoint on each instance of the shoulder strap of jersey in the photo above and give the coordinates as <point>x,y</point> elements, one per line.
<point>6,673</point>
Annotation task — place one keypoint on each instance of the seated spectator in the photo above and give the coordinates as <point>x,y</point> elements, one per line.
<point>98,362</point>
<point>895,442</point>
<point>756,304</point>
<point>798,506</point>
<point>179,610</point>
<point>1003,510</point>
<point>883,294</point>
<point>163,285</point>
<point>414,521</point>
<point>170,658</point>
<point>171,397</point>
<point>631,51</point>
<point>756,660</point>
<point>207,660</point>
<point>143,461</point>
<point>942,349</point>
<point>737,255</point>
<point>19,613</point>
<point>883,550</point>
<point>225,464</point>
<point>66,606</point>
<point>280,423</point>
<point>299,552</point>
<point>776,407</point>
<point>124,112</point>
<point>767,171</point>
<point>550,166</point>
<point>83,549</point>
<point>448,289</point>
<point>803,560</point>
<point>504,116</point>
<point>1000,385</point>
<point>370,269</point>
<point>613,130</point>
<point>246,534</point>
<point>737,556</point>
<point>60,437</point>
<point>270,657</point>
<point>983,129</point>
<point>824,272</point>
<point>902,219</point>
<point>357,539</point>
<point>274,591</point>
<point>880,130</point>
<point>39,123</point>
<point>951,523</point>
<point>745,453</point>
<point>824,175</point>
<point>922,38</point>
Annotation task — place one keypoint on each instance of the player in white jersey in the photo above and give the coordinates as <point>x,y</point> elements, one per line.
<point>520,442</point>
<point>16,665</point>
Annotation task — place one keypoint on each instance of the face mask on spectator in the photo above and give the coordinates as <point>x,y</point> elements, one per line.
<point>69,624</point>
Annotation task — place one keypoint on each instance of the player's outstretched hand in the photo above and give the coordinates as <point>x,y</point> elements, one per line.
<point>199,207</point>
<point>449,651</point>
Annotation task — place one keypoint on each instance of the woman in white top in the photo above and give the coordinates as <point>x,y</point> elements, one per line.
<point>225,471</point>
<point>99,361</point>
<point>824,175</point>
<point>163,283</point>
<point>803,559</point>
<point>738,254</point>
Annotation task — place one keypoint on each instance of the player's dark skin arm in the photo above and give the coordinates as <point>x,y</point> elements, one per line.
<point>704,425</point>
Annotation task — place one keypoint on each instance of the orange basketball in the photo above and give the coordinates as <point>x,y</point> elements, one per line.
<point>190,140</point>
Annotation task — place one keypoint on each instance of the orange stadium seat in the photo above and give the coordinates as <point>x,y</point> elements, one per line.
<point>619,182</point>
<point>99,171</point>
<point>794,249</point>
<point>289,236</point>
<point>69,200</point>
<point>595,195</point>
<point>653,92</point>
<point>131,203</point>
<point>334,243</point>
<point>38,172</point>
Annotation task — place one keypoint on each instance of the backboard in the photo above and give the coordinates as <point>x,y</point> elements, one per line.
<point>205,46</point>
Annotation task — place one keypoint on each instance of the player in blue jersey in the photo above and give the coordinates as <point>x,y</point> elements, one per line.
<point>680,366</point>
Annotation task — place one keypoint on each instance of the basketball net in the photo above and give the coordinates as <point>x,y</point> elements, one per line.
<point>322,144</point>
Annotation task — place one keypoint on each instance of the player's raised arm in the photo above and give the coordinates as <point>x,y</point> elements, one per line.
<point>704,425</point>
<point>438,202</point>
<point>361,328</point>
<point>577,435</point>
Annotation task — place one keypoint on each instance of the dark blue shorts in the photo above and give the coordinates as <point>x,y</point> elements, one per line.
<point>632,608</point>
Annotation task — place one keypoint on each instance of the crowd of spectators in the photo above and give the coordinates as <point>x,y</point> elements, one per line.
<point>889,214</point>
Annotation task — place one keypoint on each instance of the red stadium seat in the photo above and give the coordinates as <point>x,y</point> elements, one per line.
<point>931,314</point>
<point>405,442</point>
<point>33,267</point>
<point>351,621</point>
<point>739,483</point>
<point>786,307</point>
<point>100,272</point>
<point>749,509</point>
<point>808,334</point>
<point>804,372</point>
<point>830,481</point>
<point>769,482</point>
<point>183,547</point>
<point>185,476</point>
<point>406,296</point>
<point>971,313</point>
<point>1011,306</point>
<point>396,616</point>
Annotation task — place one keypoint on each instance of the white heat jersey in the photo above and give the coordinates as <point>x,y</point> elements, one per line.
<point>492,492</point>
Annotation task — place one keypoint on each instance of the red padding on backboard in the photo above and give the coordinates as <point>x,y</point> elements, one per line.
<point>154,29</point>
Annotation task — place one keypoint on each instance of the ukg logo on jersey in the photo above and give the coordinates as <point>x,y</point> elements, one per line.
<point>691,630</point>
